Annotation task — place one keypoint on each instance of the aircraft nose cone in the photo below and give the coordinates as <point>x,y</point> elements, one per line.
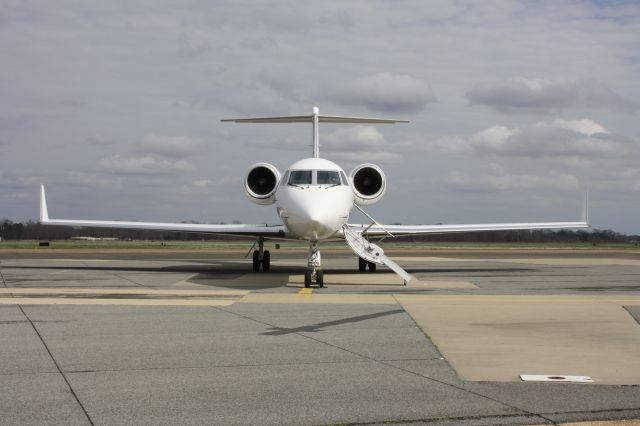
<point>317,221</point>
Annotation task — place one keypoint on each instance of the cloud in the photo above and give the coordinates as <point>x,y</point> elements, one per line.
<point>191,45</point>
<point>387,92</point>
<point>524,94</point>
<point>499,180</point>
<point>142,166</point>
<point>99,140</point>
<point>354,144</point>
<point>353,138</point>
<point>170,146</point>
<point>357,143</point>
<point>176,69</point>
<point>202,183</point>
<point>566,138</point>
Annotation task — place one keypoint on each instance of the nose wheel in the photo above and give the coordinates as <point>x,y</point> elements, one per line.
<point>261,257</point>
<point>314,267</point>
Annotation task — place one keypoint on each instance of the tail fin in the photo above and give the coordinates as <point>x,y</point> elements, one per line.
<point>44,213</point>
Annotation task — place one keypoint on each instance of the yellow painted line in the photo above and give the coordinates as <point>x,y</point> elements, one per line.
<point>622,300</point>
<point>305,293</point>
<point>441,284</point>
<point>131,291</point>
<point>382,299</point>
<point>629,422</point>
<point>124,302</point>
<point>79,260</point>
<point>507,299</point>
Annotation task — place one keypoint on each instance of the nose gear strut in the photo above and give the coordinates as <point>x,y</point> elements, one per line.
<point>314,267</point>
<point>261,257</point>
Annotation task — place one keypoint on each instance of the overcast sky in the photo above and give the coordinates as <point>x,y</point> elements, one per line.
<point>516,107</point>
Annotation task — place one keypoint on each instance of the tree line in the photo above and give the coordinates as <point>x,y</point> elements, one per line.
<point>34,231</point>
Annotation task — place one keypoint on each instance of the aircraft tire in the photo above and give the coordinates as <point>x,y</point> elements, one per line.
<point>266,261</point>
<point>256,261</point>
<point>372,266</point>
<point>307,278</point>
<point>320,278</point>
<point>362,264</point>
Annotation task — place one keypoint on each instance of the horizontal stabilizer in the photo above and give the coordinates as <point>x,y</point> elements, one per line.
<point>321,119</point>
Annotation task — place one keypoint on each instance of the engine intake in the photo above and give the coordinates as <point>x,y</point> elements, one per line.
<point>369,184</point>
<point>261,183</point>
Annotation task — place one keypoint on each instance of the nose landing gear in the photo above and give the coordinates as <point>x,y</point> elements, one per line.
<point>314,267</point>
<point>261,257</point>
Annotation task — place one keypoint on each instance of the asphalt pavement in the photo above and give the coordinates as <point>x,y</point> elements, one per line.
<point>193,337</point>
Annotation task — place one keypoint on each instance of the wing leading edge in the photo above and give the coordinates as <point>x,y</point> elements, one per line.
<point>398,230</point>
<point>251,230</point>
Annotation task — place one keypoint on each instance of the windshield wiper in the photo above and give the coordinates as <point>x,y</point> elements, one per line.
<point>331,186</point>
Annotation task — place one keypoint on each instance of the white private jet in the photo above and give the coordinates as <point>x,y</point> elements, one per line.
<point>314,198</point>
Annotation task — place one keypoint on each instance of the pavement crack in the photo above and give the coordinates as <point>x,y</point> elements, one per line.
<point>201,367</point>
<point>445,419</point>
<point>64,377</point>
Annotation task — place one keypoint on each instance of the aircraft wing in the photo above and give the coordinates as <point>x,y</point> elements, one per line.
<point>397,230</point>
<point>249,230</point>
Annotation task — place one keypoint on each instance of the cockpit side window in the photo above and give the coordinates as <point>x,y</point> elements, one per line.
<point>345,181</point>
<point>285,178</point>
<point>300,177</point>
<point>328,177</point>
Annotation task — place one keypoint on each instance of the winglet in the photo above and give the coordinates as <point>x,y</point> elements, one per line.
<point>44,213</point>
<point>585,208</point>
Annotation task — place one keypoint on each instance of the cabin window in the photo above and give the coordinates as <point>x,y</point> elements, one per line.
<point>300,177</point>
<point>328,177</point>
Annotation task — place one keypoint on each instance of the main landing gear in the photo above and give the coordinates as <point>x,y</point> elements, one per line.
<point>261,257</point>
<point>314,267</point>
<point>362,265</point>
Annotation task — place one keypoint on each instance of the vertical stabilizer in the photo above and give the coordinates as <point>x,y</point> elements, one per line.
<point>44,213</point>
<point>316,139</point>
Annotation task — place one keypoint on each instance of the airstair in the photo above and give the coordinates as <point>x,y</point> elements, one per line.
<point>372,252</point>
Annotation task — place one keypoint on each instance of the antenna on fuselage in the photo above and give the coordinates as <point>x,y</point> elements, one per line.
<point>315,118</point>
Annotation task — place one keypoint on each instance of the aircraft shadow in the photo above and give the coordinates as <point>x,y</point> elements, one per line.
<point>240,277</point>
<point>279,331</point>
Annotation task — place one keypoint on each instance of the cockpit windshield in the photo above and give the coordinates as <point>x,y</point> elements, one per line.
<point>327,177</point>
<point>300,177</point>
<point>315,177</point>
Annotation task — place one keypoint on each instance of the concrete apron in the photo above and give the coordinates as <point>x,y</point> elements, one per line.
<point>497,338</point>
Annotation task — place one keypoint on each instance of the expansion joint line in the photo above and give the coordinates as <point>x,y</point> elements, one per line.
<point>64,377</point>
<point>4,283</point>
<point>120,277</point>
<point>387,364</point>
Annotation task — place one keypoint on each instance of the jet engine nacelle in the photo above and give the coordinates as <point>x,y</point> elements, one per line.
<point>261,183</point>
<point>369,184</point>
